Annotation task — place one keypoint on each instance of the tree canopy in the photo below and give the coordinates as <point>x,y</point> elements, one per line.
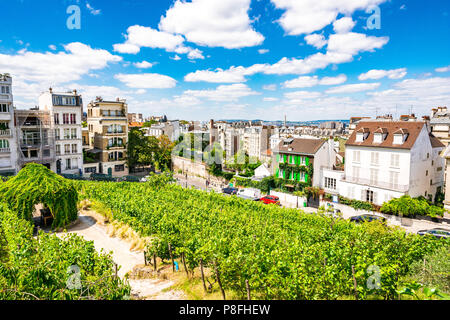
<point>35,184</point>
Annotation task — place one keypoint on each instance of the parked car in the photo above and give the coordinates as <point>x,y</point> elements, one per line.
<point>436,232</point>
<point>249,194</point>
<point>367,218</point>
<point>229,190</point>
<point>270,200</point>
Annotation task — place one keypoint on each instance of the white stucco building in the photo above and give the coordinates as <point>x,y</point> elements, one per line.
<point>387,159</point>
<point>8,145</point>
<point>66,110</point>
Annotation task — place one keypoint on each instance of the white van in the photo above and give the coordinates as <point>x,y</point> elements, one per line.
<point>249,193</point>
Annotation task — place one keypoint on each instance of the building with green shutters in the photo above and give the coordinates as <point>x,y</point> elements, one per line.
<point>301,160</point>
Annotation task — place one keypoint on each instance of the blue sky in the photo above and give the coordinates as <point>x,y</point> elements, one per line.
<point>203,59</point>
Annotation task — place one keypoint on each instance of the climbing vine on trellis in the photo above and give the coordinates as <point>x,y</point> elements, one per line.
<point>35,184</point>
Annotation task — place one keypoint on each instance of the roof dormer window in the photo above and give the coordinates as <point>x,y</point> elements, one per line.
<point>380,135</point>
<point>362,134</point>
<point>400,136</point>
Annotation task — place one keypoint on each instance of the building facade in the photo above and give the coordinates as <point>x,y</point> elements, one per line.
<point>8,145</point>
<point>440,124</point>
<point>303,153</point>
<point>385,160</point>
<point>108,136</point>
<point>66,112</point>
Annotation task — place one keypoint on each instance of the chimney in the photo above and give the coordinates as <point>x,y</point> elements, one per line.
<point>75,92</point>
<point>50,89</point>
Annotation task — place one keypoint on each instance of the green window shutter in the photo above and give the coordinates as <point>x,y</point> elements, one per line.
<point>278,157</point>
<point>285,158</point>
<point>306,177</point>
<point>284,174</point>
<point>307,161</point>
<point>277,174</point>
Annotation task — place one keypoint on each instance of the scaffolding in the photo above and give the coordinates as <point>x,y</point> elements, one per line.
<point>36,137</point>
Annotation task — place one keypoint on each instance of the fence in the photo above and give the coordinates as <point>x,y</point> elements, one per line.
<point>289,200</point>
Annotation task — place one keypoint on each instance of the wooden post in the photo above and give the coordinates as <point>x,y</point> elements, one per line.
<point>115,269</point>
<point>171,258</point>
<point>203,275</point>
<point>355,284</point>
<point>184,264</point>
<point>154,261</point>
<point>248,290</point>
<point>218,280</point>
<point>145,258</point>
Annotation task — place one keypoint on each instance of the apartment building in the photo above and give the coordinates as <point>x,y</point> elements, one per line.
<point>66,112</point>
<point>8,146</point>
<point>440,124</point>
<point>108,136</point>
<point>299,152</point>
<point>354,122</point>
<point>170,129</point>
<point>36,142</point>
<point>256,140</point>
<point>388,159</point>
<point>135,117</point>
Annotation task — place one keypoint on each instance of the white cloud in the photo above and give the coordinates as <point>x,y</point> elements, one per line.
<point>176,58</point>
<point>344,25</point>
<point>352,88</point>
<point>307,16</point>
<point>143,65</point>
<point>212,23</point>
<point>232,75</point>
<point>146,81</point>
<point>59,67</point>
<point>263,51</point>
<point>328,81</point>
<point>139,36</point>
<point>378,74</point>
<point>302,82</point>
<point>52,47</point>
<point>195,54</point>
<point>270,99</point>
<point>316,40</point>
<point>300,95</point>
<point>352,43</point>
<point>270,87</point>
<point>92,10</point>
<point>443,69</point>
<point>223,92</point>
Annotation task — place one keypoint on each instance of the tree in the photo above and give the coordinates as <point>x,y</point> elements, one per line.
<point>163,154</point>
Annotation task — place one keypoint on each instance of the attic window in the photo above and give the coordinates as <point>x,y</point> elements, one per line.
<point>400,138</point>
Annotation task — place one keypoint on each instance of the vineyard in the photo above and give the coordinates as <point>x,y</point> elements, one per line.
<point>272,252</point>
<point>46,267</point>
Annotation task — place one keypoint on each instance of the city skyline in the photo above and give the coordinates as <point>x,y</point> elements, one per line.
<point>191,61</point>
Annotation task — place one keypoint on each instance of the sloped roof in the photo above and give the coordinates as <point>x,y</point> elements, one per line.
<point>301,146</point>
<point>413,129</point>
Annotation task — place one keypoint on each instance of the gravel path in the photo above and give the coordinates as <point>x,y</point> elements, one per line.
<point>154,289</point>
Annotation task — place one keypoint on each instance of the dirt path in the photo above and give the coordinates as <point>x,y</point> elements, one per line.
<point>154,289</point>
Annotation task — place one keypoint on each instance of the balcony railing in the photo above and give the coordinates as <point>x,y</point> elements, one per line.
<point>5,150</point>
<point>377,184</point>
<point>5,133</point>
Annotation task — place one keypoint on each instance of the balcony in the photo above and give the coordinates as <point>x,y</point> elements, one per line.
<point>5,150</point>
<point>377,184</point>
<point>5,133</point>
<point>5,116</point>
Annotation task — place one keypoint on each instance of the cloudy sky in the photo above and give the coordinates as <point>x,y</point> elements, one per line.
<point>230,59</point>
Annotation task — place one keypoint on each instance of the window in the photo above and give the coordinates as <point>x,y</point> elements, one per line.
<point>73,133</point>
<point>57,136</point>
<point>5,89</point>
<point>4,107</point>
<point>426,173</point>
<point>90,170</point>
<point>74,163</point>
<point>65,118</point>
<point>66,134</point>
<point>369,196</point>
<point>73,118</point>
<point>393,179</point>
<point>68,164</point>
<point>4,144</point>
<point>58,149</point>
<point>356,156</point>
<point>46,153</point>
<point>56,118</point>
<point>119,168</point>
<point>395,160</point>
<point>356,172</point>
<point>373,176</point>
<point>66,148</point>
<point>374,157</point>
<point>330,183</point>
<point>74,148</point>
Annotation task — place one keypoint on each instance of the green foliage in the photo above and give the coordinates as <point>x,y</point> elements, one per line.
<point>283,253</point>
<point>411,207</point>
<point>358,204</point>
<point>413,290</point>
<point>37,268</point>
<point>434,270</point>
<point>35,184</point>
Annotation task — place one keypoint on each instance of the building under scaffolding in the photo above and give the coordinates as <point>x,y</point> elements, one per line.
<point>36,141</point>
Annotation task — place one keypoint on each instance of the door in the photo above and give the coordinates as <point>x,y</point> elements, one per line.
<point>110,171</point>
<point>58,167</point>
